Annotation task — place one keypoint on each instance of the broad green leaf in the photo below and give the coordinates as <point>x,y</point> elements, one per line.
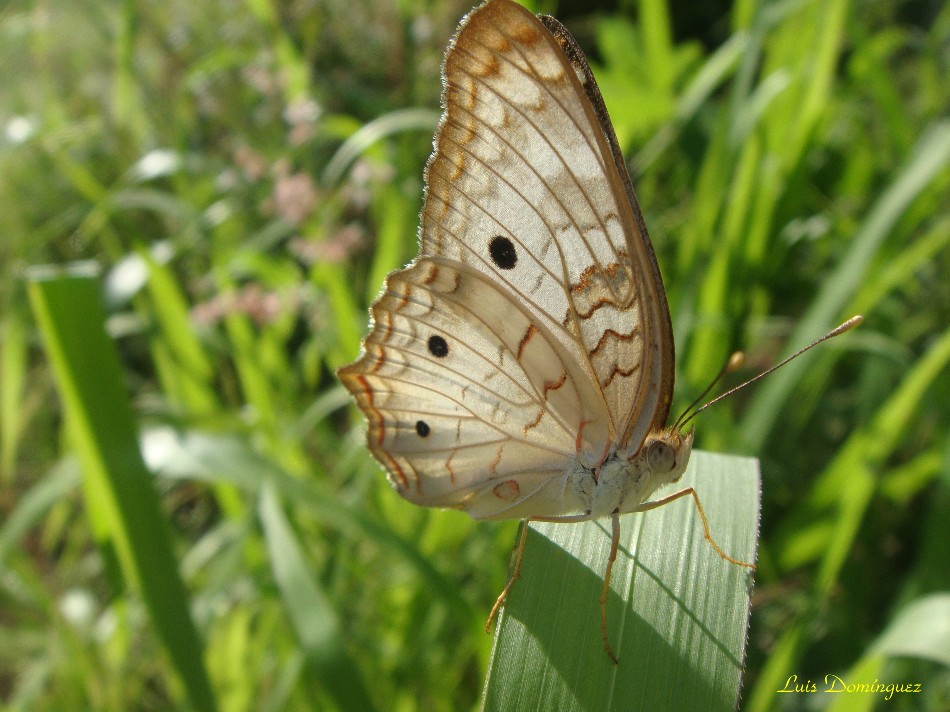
<point>677,613</point>
<point>920,630</point>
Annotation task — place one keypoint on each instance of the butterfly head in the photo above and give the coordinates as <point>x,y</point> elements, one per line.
<point>661,460</point>
<point>665,455</point>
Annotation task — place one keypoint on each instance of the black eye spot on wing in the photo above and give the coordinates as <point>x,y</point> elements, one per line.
<point>422,428</point>
<point>502,251</point>
<point>438,346</point>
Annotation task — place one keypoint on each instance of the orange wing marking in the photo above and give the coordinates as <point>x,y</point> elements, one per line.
<point>370,407</point>
<point>395,470</point>
<point>580,435</point>
<point>553,386</point>
<point>533,423</point>
<point>432,276</point>
<point>492,468</point>
<point>404,297</point>
<point>507,491</point>
<point>532,330</point>
<point>378,426</point>
<point>602,302</point>
<point>380,360</point>
<point>458,166</point>
<point>585,282</point>
<point>617,335</point>
<point>387,319</point>
<point>620,372</point>
<point>448,466</point>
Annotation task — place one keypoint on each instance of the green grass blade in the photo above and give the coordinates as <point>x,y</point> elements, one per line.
<point>844,493</point>
<point>930,158</point>
<point>226,459</point>
<point>395,122</point>
<point>124,509</point>
<point>13,364</point>
<point>34,504</point>
<point>921,630</point>
<point>311,612</point>
<point>185,368</point>
<point>658,45</point>
<point>677,613</point>
<point>706,80</point>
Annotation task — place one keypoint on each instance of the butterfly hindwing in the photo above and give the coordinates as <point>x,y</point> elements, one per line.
<point>464,391</point>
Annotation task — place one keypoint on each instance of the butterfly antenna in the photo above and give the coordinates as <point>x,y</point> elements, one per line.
<point>681,421</point>
<point>733,363</point>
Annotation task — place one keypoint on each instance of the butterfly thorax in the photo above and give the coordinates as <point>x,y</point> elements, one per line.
<point>621,483</point>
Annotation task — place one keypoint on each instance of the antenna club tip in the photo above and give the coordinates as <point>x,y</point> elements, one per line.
<point>735,362</point>
<point>854,321</point>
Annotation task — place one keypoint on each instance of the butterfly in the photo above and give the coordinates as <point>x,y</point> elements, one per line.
<point>522,365</point>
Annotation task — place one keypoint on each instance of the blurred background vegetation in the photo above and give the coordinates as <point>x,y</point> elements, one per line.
<point>235,179</point>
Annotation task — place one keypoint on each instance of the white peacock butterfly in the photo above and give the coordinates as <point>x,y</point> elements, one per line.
<point>522,365</point>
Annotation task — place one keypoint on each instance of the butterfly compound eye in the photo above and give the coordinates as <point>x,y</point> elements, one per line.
<point>660,455</point>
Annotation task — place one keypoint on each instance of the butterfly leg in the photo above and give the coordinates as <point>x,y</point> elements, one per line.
<point>515,573</point>
<point>614,544</point>
<point>646,506</point>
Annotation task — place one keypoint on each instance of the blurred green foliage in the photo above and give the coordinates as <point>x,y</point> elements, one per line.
<point>241,175</point>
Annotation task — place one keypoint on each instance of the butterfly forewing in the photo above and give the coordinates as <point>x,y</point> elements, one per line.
<point>526,184</point>
<point>655,387</point>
